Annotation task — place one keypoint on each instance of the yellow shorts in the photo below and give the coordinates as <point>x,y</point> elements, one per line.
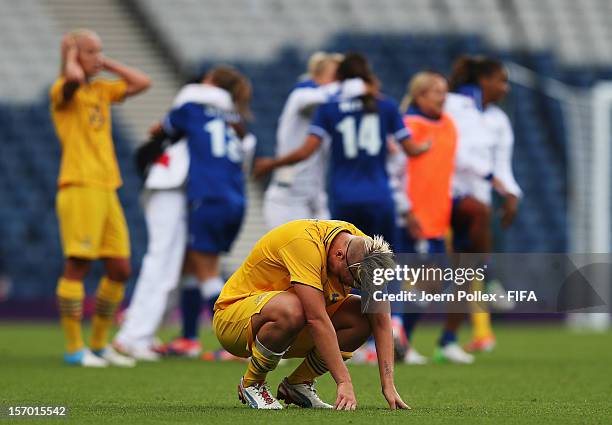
<point>92,224</point>
<point>232,326</point>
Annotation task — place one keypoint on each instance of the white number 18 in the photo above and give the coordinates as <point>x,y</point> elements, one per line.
<point>218,131</point>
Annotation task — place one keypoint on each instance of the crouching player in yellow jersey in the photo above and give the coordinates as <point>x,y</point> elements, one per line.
<point>291,298</point>
<point>92,224</point>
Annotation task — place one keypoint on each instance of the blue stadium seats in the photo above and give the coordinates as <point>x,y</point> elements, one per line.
<point>29,165</point>
<point>30,152</point>
<point>539,160</point>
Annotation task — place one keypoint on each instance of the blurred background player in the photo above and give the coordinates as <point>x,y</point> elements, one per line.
<point>298,191</point>
<point>428,188</point>
<point>165,207</point>
<point>92,224</point>
<point>358,128</point>
<point>215,193</point>
<point>484,162</point>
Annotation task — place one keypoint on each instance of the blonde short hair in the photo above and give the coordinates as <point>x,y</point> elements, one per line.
<point>377,254</point>
<point>83,32</point>
<point>419,83</point>
<point>318,61</point>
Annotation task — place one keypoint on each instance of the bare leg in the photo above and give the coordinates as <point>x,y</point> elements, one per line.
<point>118,269</point>
<point>76,268</point>
<point>477,216</point>
<point>352,330</point>
<point>204,265</point>
<point>274,329</point>
<point>279,322</point>
<point>352,327</point>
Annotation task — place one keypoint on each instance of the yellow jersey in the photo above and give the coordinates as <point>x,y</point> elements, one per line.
<point>294,252</point>
<point>83,126</point>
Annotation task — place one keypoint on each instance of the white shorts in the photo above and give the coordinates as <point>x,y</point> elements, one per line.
<point>282,205</point>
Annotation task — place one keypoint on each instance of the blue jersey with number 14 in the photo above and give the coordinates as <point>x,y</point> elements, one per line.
<point>358,143</point>
<point>215,167</point>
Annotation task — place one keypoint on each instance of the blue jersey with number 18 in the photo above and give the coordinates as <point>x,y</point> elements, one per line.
<point>215,167</point>
<point>359,149</point>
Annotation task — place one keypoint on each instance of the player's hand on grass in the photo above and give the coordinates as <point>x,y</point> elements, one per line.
<point>394,399</point>
<point>345,399</point>
<point>263,166</point>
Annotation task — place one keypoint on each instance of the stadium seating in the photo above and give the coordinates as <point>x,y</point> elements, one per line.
<point>540,138</point>
<point>29,37</point>
<point>578,31</point>
<point>29,165</point>
<point>270,40</point>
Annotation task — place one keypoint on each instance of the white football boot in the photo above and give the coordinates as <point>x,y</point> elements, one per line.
<point>85,358</point>
<point>139,352</point>
<point>258,396</point>
<point>303,395</point>
<point>413,357</point>
<point>452,353</point>
<point>114,358</point>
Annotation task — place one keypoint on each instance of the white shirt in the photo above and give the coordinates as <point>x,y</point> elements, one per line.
<point>498,123</point>
<point>484,148</point>
<point>307,178</point>
<point>396,169</point>
<point>171,173</point>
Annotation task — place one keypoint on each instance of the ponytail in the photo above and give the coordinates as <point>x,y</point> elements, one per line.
<point>238,86</point>
<point>355,65</point>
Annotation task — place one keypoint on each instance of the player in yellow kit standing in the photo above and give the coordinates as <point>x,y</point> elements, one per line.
<point>291,298</point>
<point>92,224</point>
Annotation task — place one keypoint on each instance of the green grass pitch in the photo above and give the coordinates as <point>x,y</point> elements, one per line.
<point>538,375</point>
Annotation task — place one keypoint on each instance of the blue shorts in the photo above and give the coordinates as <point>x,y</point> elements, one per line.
<point>371,218</point>
<point>461,229</point>
<point>214,224</point>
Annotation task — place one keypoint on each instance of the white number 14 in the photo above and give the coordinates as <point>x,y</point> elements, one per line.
<point>367,139</point>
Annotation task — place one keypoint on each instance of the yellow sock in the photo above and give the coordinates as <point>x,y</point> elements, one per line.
<point>108,297</point>
<point>481,323</point>
<point>312,367</point>
<point>481,320</point>
<point>70,294</point>
<point>261,362</point>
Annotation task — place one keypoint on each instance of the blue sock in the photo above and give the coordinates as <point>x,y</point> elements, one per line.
<point>210,305</point>
<point>410,320</point>
<point>98,352</point>
<point>191,304</point>
<point>448,337</point>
